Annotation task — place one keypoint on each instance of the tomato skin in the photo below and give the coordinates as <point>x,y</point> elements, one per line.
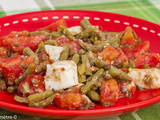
<point>128,37</point>
<point>108,54</point>
<point>68,100</point>
<point>54,26</point>
<point>109,92</point>
<point>137,51</point>
<point>74,45</point>
<point>152,59</point>
<point>11,67</point>
<point>33,89</point>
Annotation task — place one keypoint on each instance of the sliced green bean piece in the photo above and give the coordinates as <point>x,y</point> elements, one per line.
<point>90,83</point>
<point>28,71</point>
<point>93,95</point>
<point>76,58</point>
<point>85,61</point>
<point>40,48</point>
<point>118,74</point>
<point>27,51</point>
<point>65,53</point>
<point>82,69</point>
<point>13,55</point>
<point>65,31</point>
<point>50,42</point>
<point>40,96</point>
<point>43,103</point>
<point>12,89</point>
<point>81,78</point>
<point>85,24</point>
<point>55,34</point>
<point>37,32</point>
<point>21,99</point>
<point>86,33</point>
<point>125,64</point>
<point>26,88</point>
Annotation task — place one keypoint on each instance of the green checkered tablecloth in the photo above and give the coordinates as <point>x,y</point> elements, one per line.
<point>144,9</point>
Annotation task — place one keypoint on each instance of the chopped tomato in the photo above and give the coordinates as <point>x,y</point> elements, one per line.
<point>126,89</point>
<point>121,56</point>
<point>35,82</point>
<point>108,54</point>
<point>17,42</point>
<point>109,92</point>
<point>74,45</point>
<point>68,100</point>
<point>137,51</point>
<point>11,67</point>
<point>54,26</point>
<point>128,37</point>
<point>3,52</point>
<point>152,59</point>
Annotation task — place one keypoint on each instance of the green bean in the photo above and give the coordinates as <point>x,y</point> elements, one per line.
<point>26,88</point>
<point>12,89</point>
<point>85,61</point>
<point>28,71</point>
<point>76,58</point>
<point>43,103</point>
<point>13,55</point>
<point>55,34</point>
<point>82,69</point>
<point>37,32</point>
<point>40,96</point>
<point>65,53</point>
<point>85,24</point>
<point>40,48</point>
<point>90,83</point>
<point>118,74</point>
<point>27,51</point>
<point>93,95</point>
<point>21,99</point>
<point>89,78</point>
<point>81,78</point>
<point>2,85</point>
<point>86,33</point>
<point>65,31</point>
<point>50,42</point>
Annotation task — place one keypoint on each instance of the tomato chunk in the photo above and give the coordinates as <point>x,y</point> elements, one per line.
<point>16,41</point>
<point>109,92</point>
<point>68,100</point>
<point>54,26</point>
<point>35,82</point>
<point>11,67</point>
<point>74,45</point>
<point>128,37</point>
<point>152,59</point>
<point>137,51</point>
<point>121,56</point>
<point>108,54</point>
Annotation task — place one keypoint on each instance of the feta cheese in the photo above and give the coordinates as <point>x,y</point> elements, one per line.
<point>53,52</point>
<point>61,75</point>
<point>146,78</point>
<point>75,30</point>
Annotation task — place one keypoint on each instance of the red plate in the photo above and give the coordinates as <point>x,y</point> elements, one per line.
<point>110,22</point>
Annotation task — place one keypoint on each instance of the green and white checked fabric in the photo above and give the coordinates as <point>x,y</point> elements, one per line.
<point>144,9</point>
